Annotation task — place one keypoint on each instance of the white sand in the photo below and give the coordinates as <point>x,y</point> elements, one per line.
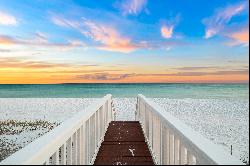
<point>49,109</point>
<point>225,122</point>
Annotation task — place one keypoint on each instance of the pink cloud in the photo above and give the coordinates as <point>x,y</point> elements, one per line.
<point>167,31</point>
<point>216,23</point>
<point>7,19</point>
<point>109,37</point>
<point>168,26</point>
<point>240,37</point>
<point>132,7</point>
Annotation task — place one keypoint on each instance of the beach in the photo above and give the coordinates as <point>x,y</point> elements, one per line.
<point>223,121</point>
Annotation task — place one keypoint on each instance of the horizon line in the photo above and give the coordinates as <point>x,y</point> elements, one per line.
<point>126,83</point>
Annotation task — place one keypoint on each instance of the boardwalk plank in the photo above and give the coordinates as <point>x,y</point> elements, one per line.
<point>124,144</point>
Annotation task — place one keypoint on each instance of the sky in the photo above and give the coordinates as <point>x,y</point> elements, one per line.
<point>124,41</point>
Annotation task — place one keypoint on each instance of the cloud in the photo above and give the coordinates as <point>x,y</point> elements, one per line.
<point>39,39</point>
<point>216,23</point>
<point>219,72</point>
<point>6,40</point>
<point>131,7</point>
<point>167,32</point>
<point>112,77</point>
<point>197,68</point>
<point>109,37</point>
<point>23,63</point>
<point>167,45</point>
<point>167,28</point>
<point>104,76</point>
<point>239,37</point>
<point>106,37</point>
<point>64,22</point>
<point>5,50</point>
<point>226,72</point>
<point>7,19</point>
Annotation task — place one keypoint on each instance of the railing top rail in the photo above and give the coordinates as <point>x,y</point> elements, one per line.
<point>208,149</point>
<point>48,143</point>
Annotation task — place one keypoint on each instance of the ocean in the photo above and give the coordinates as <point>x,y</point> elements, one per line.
<point>176,91</point>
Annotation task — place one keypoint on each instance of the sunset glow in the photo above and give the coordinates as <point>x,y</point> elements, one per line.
<point>125,41</point>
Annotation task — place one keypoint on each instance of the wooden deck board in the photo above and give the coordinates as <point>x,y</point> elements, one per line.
<point>124,144</point>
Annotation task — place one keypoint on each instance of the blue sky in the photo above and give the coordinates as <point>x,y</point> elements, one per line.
<point>136,37</point>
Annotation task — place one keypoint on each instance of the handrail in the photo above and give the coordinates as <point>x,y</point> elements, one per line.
<point>76,141</point>
<point>171,142</point>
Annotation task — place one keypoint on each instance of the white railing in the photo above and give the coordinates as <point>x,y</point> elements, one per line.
<point>171,142</point>
<point>74,142</point>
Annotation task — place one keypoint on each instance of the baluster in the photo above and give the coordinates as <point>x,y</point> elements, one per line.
<point>92,135</point>
<point>109,111</point>
<point>74,149</point>
<point>176,150</point>
<point>161,144</point>
<point>104,116</point>
<point>69,152</point>
<point>95,133</point>
<point>55,158</point>
<point>87,142</point>
<point>152,130</point>
<point>189,158</point>
<point>171,148</point>
<point>48,161</point>
<point>157,139</point>
<point>194,160</point>
<point>166,146</point>
<point>98,126</point>
<point>91,130</point>
<point>82,146</point>
<point>182,154</point>
<point>78,134</point>
<point>107,115</point>
<point>146,122</point>
<point>63,154</point>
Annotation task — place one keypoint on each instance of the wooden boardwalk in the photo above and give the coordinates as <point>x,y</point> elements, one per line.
<point>124,144</point>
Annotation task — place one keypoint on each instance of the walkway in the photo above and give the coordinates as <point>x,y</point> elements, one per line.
<point>124,144</point>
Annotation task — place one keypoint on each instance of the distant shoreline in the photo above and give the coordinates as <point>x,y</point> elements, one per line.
<point>204,83</point>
